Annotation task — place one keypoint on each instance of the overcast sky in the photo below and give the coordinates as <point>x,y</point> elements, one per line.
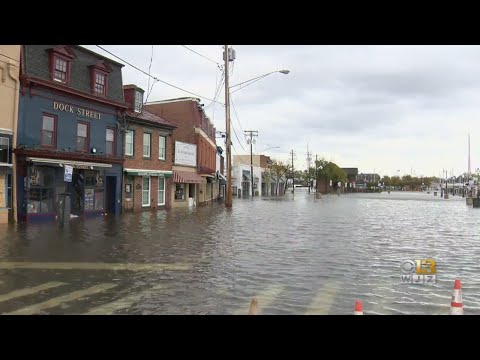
<point>382,108</point>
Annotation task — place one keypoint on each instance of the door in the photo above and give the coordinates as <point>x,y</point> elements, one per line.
<point>110,193</point>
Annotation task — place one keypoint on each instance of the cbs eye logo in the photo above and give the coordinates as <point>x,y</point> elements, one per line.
<point>419,267</point>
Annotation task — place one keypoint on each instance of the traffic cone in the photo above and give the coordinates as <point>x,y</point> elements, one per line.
<point>456,307</point>
<point>253,307</point>
<point>358,308</point>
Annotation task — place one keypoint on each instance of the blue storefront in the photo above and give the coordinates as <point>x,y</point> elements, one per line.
<point>69,146</point>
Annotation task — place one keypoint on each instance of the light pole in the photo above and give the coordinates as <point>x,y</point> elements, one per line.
<point>229,56</point>
<point>255,79</point>
<point>228,197</point>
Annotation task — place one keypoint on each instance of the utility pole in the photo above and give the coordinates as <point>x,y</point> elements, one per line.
<point>309,160</point>
<point>316,174</point>
<point>293,173</point>
<point>228,198</point>
<point>252,134</point>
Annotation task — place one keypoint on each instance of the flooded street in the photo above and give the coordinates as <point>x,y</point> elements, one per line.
<point>297,254</point>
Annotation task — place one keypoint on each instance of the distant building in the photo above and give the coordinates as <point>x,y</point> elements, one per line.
<point>368,177</point>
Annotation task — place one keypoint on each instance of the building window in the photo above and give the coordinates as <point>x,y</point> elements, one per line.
<point>179,192</point>
<point>100,83</point>
<point>146,191</point>
<point>60,70</point>
<point>161,191</point>
<point>41,193</point>
<point>146,145</point>
<point>5,150</point>
<point>49,130</point>
<point>9,191</point>
<point>82,136</point>
<point>138,101</point>
<point>110,148</point>
<point>94,190</point>
<point>129,143</point>
<point>162,141</point>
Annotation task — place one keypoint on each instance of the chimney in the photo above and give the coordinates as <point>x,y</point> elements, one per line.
<point>129,95</point>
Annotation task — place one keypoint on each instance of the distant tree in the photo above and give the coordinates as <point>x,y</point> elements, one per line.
<point>279,169</point>
<point>330,171</point>
<point>386,180</point>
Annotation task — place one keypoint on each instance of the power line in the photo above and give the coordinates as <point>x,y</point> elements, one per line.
<point>203,56</point>
<point>235,132</point>
<point>155,78</point>
<point>236,116</point>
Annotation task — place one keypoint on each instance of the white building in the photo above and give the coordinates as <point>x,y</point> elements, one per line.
<point>264,182</point>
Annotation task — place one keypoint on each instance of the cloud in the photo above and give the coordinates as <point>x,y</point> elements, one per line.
<point>371,107</point>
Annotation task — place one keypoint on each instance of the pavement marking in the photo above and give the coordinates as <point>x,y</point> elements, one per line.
<point>322,303</point>
<point>264,298</point>
<point>30,290</point>
<point>36,308</point>
<point>93,266</point>
<point>122,303</point>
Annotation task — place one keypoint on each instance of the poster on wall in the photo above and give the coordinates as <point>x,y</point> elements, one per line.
<point>36,176</point>
<point>185,154</point>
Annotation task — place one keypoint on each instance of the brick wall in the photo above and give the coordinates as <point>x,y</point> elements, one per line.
<point>137,161</point>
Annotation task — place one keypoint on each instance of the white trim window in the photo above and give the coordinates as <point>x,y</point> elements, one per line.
<point>161,191</point>
<point>5,156</point>
<point>146,191</point>
<point>138,101</point>
<point>146,145</point>
<point>162,142</point>
<point>129,142</point>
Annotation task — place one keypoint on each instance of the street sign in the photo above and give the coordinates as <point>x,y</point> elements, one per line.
<point>68,173</point>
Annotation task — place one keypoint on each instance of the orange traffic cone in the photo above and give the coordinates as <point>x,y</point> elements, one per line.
<point>456,307</point>
<point>253,307</point>
<point>358,308</point>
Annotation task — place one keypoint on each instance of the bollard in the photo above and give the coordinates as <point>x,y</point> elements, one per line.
<point>456,306</point>
<point>253,307</point>
<point>358,308</point>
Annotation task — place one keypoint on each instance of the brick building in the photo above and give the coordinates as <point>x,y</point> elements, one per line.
<point>148,156</point>
<point>195,152</point>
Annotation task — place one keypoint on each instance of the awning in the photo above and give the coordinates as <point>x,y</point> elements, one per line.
<point>222,181</point>
<point>74,164</point>
<point>185,177</point>
<point>221,176</point>
<point>146,172</point>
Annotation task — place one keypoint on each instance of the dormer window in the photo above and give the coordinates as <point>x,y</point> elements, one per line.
<point>100,83</point>
<point>60,63</point>
<point>99,78</point>
<point>60,71</point>
<point>138,101</point>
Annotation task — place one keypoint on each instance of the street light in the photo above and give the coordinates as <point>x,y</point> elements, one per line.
<point>271,147</point>
<point>255,79</point>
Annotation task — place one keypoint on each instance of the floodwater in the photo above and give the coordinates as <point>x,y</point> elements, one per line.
<point>295,253</point>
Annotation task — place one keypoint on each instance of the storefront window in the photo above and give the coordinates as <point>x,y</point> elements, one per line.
<point>146,191</point>
<point>41,193</point>
<point>179,192</point>
<point>161,191</point>
<point>94,192</point>
<point>99,196</point>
